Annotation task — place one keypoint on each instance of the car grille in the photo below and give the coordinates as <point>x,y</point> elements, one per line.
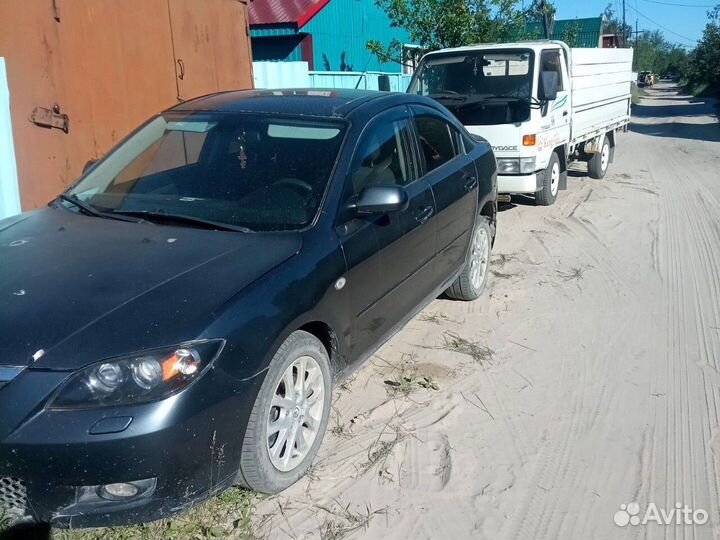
<point>13,497</point>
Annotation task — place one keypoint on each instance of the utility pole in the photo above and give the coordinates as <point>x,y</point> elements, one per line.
<point>624,35</point>
<point>635,46</point>
<point>546,22</point>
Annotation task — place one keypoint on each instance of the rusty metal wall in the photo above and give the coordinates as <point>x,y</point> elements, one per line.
<point>108,66</point>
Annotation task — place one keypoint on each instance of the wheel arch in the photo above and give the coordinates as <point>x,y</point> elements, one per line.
<point>327,336</point>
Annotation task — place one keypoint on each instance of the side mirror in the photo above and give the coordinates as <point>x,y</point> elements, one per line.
<point>89,165</point>
<point>381,200</point>
<point>549,83</point>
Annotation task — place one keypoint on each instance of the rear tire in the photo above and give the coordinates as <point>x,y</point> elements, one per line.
<point>471,282</point>
<point>551,182</point>
<point>600,161</point>
<point>302,417</point>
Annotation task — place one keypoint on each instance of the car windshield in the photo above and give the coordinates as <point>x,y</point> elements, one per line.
<point>486,74</point>
<point>263,173</point>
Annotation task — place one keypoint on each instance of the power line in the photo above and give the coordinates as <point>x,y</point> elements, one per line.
<point>679,5</point>
<point>691,40</point>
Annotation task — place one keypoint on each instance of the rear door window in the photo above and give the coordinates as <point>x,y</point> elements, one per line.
<point>439,141</point>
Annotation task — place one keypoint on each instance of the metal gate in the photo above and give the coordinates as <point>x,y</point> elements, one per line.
<point>83,73</point>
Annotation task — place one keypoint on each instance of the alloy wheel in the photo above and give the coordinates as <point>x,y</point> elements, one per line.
<point>295,413</point>
<point>479,257</point>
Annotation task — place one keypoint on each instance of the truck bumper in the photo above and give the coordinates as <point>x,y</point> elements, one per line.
<point>522,183</point>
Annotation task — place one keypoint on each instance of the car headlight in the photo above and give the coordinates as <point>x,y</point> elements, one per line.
<point>527,165</point>
<point>508,166</point>
<point>138,378</point>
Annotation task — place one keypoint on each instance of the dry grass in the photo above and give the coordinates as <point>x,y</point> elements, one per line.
<point>342,521</point>
<point>227,516</point>
<point>479,353</point>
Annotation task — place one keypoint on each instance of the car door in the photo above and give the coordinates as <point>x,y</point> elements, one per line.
<point>389,256</point>
<point>451,174</point>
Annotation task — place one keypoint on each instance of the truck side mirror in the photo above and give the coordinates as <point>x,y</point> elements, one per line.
<point>549,83</point>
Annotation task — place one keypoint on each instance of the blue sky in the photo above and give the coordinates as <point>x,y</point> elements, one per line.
<point>682,25</point>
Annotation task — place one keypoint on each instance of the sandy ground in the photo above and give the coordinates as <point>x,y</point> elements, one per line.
<point>601,386</point>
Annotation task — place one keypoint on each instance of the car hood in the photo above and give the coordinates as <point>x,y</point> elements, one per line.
<point>76,289</point>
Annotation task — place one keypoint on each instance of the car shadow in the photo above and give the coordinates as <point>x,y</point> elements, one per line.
<point>27,531</point>
<point>515,201</point>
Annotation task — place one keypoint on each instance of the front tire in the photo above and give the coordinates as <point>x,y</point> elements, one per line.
<point>551,182</point>
<point>290,415</point>
<point>471,282</point>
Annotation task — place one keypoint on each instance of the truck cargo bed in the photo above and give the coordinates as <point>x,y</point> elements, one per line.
<point>600,91</point>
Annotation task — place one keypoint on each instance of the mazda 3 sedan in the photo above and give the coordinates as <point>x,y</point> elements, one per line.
<point>173,323</point>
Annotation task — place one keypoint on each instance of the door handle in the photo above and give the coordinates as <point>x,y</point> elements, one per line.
<point>470,184</point>
<point>424,214</point>
<point>565,113</point>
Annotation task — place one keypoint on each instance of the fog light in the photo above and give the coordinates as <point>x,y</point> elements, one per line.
<point>120,491</point>
<point>117,492</point>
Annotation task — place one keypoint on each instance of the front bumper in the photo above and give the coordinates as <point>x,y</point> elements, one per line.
<point>187,446</point>
<point>522,183</point>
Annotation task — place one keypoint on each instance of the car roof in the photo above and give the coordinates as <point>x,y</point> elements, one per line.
<point>329,102</point>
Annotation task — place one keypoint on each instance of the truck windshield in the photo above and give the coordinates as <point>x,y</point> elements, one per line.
<point>481,88</point>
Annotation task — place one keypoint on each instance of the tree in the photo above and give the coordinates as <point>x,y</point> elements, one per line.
<point>705,59</point>
<point>437,24</point>
<point>613,25</point>
<point>571,34</point>
<point>542,11</point>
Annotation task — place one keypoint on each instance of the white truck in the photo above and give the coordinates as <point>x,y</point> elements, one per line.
<point>539,104</point>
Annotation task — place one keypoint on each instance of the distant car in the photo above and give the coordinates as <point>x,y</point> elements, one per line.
<point>172,324</point>
<point>645,78</point>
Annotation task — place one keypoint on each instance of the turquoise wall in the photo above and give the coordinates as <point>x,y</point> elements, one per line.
<point>341,26</point>
<point>346,26</point>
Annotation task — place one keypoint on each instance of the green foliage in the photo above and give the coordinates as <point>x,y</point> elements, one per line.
<point>653,53</point>
<point>570,34</point>
<point>437,24</point>
<point>614,25</point>
<point>705,59</point>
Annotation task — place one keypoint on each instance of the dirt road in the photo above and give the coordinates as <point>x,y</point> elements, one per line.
<point>588,377</point>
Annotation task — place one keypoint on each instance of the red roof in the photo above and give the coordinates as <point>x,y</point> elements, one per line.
<point>285,11</point>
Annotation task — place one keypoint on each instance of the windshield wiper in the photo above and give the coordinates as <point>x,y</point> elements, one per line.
<point>88,210</point>
<point>448,95</point>
<point>160,216</point>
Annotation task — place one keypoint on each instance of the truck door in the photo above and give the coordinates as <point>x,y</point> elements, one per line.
<point>557,114</point>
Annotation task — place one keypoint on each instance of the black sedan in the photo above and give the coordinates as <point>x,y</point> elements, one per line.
<point>173,323</point>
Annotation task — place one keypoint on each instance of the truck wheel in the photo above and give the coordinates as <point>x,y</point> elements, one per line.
<point>599,162</point>
<point>551,182</point>
<point>471,282</point>
<point>288,420</point>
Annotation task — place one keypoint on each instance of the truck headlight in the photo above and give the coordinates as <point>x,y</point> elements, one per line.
<point>137,378</point>
<point>508,166</point>
<point>527,165</point>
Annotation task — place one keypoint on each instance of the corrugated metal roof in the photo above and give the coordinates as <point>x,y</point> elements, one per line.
<point>586,31</point>
<point>284,11</point>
